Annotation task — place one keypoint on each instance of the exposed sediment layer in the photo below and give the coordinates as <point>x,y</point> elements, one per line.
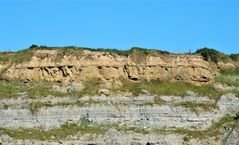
<point>131,111</point>
<point>140,112</point>
<point>65,114</point>
<point>104,65</point>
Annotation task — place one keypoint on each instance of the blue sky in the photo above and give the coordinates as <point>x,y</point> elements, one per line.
<point>172,25</point>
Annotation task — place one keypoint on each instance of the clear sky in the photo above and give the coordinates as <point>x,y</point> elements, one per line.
<point>172,25</point>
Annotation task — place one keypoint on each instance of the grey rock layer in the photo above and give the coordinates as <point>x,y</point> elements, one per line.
<point>157,116</point>
<point>139,111</point>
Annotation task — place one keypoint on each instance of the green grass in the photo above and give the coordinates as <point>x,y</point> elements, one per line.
<point>113,51</point>
<point>87,127</point>
<point>59,133</point>
<point>230,72</point>
<point>91,87</point>
<point>229,77</point>
<point>194,106</point>
<point>213,131</point>
<point>5,56</point>
<point>22,56</point>
<point>16,57</point>
<point>166,88</point>
<point>10,89</point>
<point>26,54</point>
<point>44,88</point>
<point>35,106</point>
<point>84,127</point>
<point>137,54</point>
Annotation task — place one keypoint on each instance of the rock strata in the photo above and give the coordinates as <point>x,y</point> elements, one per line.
<point>108,66</point>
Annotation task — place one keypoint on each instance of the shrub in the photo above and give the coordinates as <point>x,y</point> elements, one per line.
<point>211,54</point>
<point>234,57</point>
<point>33,46</point>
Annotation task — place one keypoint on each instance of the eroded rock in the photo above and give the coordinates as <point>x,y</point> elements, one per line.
<point>105,66</point>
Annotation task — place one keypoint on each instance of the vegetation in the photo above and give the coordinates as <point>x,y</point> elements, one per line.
<point>91,87</point>
<point>229,77</point>
<point>165,88</point>
<point>234,57</point>
<point>20,56</point>
<point>211,54</point>
<point>5,56</point>
<point>236,116</point>
<point>26,54</point>
<point>214,130</point>
<point>85,121</point>
<point>113,51</point>
<point>35,106</point>
<point>58,133</point>
<point>136,53</point>
<point>14,88</point>
<point>31,89</point>
<point>33,46</point>
<point>44,88</point>
<point>194,106</point>
<point>85,126</point>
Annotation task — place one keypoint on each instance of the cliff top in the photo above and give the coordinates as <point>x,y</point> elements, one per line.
<point>77,64</point>
<point>207,54</point>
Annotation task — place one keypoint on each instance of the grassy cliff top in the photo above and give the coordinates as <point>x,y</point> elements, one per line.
<point>208,54</point>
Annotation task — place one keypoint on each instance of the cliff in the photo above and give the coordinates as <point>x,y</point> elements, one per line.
<point>109,97</point>
<point>81,65</point>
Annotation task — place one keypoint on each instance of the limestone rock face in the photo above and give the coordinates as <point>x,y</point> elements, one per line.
<point>128,120</point>
<point>120,109</point>
<point>105,65</point>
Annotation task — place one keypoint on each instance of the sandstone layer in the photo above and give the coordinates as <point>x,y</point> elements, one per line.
<point>53,66</point>
<point>100,97</point>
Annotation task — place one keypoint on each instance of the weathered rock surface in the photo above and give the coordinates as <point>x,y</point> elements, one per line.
<point>112,137</point>
<point>141,112</point>
<point>115,137</point>
<point>159,118</point>
<point>104,65</point>
<point>130,111</point>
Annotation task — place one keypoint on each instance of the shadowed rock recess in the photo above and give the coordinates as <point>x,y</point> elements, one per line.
<point>52,96</point>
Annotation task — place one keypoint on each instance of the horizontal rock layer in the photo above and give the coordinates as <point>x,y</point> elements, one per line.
<point>104,65</point>
<point>141,112</point>
<point>129,111</point>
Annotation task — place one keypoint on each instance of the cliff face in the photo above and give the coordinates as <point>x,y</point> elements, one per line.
<point>93,101</point>
<point>120,120</point>
<point>54,66</point>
